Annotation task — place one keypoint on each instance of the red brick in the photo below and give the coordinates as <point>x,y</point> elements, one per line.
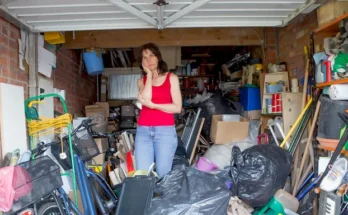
<point>4,61</point>
<point>3,40</point>
<point>14,82</point>
<point>14,63</point>
<point>14,54</point>
<point>21,76</point>
<point>3,80</point>
<point>6,31</point>
<point>12,74</point>
<point>4,50</point>
<point>5,72</point>
<point>13,44</point>
<point>15,32</point>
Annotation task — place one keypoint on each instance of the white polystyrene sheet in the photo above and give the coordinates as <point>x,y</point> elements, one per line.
<point>13,132</point>
<point>123,87</point>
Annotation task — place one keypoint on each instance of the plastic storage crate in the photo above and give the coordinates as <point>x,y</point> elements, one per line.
<point>250,98</point>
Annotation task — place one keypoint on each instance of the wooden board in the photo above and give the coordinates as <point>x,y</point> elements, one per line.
<point>167,37</point>
<point>193,153</point>
<point>291,109</point>
<point>13,132</point>
<point>330,13</point>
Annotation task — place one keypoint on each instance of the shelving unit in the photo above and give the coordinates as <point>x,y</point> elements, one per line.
<point>327,84</point>
<point>328,30</point>
<point>291,102</point>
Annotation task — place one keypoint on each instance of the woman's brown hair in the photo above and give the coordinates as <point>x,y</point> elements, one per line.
<point>162,66</point>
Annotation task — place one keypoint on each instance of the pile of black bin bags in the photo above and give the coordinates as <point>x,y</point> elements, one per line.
<point>256,174</point>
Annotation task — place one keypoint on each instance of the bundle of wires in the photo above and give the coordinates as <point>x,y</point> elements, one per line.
<point>43,125</point>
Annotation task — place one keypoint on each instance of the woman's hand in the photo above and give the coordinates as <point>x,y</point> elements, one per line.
<point>147,70</point>
<point>146,102</point>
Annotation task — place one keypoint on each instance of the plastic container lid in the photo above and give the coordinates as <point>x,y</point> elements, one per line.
<point>287,200</point>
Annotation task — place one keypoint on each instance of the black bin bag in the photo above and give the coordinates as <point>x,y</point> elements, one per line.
<point>258,172</point>
<point>215,105</point>
<point>187,191</point>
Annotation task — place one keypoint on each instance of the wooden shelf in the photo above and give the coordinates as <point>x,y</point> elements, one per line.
<point>271,114</point>
<point>331,26</point>
<point>327,84</point>
<point>273,93</point>
<point>196,76</point>
<point>331,149</point>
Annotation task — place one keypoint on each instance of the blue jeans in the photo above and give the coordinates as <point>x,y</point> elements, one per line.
<point>157,143</point>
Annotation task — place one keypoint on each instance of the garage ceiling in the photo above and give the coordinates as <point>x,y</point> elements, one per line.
<point>77,15</point>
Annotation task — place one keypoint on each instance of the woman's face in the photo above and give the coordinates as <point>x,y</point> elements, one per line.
<point>150,60</point>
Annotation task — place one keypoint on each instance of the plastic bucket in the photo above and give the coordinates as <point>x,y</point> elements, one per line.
<point>93,62</point>
<point>205,165</point>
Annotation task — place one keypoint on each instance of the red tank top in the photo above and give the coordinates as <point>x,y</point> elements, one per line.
<point>160,95</point>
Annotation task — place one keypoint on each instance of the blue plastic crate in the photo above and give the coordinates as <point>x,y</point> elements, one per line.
<point>250,98</point>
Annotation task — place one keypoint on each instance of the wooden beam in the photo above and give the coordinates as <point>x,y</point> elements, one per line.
<point>166,37</point>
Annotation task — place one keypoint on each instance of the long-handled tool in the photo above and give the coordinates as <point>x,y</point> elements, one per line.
<point>304,158</point>
<point>335,155</point>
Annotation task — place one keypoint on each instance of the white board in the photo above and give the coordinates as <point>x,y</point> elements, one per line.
<point>46,109</point>
<point>12,119</point>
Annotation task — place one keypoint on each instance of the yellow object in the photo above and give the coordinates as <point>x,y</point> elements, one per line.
<point>296,123</point>
<point>96,169</point>
<point>41,126</point>
<point>258,66</point>
<point>34,102</point>
<point>54,37</point>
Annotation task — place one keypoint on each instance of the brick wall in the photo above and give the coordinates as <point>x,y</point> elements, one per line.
<point>293,38</point>
<point>10,73</point>
<point>270,45</point>
<point>80,88</point>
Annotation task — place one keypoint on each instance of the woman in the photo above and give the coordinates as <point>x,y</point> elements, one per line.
<point>160,95</point>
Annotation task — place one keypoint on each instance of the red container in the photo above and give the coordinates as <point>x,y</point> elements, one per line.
<point>274,109</point>
<point>328,70</point>
<point>279,102</point>
<point>278,109</point>
<point>186,83</point>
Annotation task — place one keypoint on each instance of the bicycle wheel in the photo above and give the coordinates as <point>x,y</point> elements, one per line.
<point>51,208</point>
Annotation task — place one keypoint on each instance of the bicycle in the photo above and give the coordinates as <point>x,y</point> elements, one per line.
<point>57,201</point>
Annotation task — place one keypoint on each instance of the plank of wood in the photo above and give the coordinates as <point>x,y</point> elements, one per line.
<point>13,131</point>
<point>167,37</point>
<point>193,154</point>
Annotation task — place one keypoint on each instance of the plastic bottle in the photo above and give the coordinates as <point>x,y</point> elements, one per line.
<point>188,69</point>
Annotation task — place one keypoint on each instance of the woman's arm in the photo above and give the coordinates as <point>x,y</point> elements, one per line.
<point>145,91</point>
<point>176,106</point>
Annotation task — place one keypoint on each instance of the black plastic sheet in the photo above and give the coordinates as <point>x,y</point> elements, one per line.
<point>215,105</point>
<point>258,172</point>
<point>187,191</point>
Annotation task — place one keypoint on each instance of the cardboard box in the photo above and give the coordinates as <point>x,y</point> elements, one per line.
<point>79,199</point>
<point>253,114</point>
<point>330,10</point>
<point>99,107</point>
<point>225,132</point>
<point>112,126</point>
<point>102,144</point>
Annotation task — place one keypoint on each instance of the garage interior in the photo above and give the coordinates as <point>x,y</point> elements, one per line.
<point>257,79</point>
